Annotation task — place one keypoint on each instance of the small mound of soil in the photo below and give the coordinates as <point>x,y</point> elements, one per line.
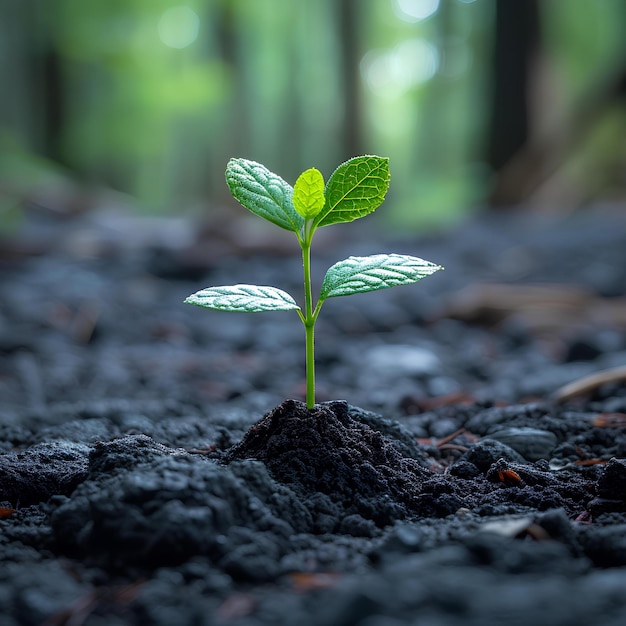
<point>328,450</point>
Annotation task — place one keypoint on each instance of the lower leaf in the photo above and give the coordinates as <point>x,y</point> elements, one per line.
<point>243,298</point>
<point>370,273</point>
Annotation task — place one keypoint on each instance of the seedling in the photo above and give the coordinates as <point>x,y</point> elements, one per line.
<point>355,189</point>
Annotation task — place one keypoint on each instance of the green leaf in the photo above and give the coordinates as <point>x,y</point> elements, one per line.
<point>356,188</point>
<point>264,193</point>
<point>243,298</point>
<point>358,274</point>
<point>308,193</point>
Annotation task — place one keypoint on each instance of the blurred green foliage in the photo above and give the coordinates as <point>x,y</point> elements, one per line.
<point>151,97</point>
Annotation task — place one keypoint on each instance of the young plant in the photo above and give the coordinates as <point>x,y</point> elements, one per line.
<point>355,189</point>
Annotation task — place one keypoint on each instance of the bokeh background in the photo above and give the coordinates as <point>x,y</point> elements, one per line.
<point>480,104</point>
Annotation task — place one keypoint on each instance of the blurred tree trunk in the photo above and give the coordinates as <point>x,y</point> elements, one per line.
<point>52,94</point>
<point>233,124</point>
<point>517,36</point>
<point>30,73</point>
<point>436,106</point>
<point>349,45</point>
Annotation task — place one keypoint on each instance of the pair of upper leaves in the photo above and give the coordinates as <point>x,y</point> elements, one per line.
<point>355,189</point>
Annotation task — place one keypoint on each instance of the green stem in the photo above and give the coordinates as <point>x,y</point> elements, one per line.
<point>309,321</point>
<point>309,330</point>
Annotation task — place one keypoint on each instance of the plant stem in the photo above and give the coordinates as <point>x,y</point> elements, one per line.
<point>309,321</point>
<point>309,330</point>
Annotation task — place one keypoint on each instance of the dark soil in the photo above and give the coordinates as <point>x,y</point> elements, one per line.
<point>152,471</point>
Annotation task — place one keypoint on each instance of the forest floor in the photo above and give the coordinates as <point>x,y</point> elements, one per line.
<point>466,464</point>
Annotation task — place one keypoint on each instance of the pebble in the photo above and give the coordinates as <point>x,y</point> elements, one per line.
<point>402,360</point>
<point>532,443</point>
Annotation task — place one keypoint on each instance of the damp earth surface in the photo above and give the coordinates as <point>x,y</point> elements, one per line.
<point>465,463</point>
